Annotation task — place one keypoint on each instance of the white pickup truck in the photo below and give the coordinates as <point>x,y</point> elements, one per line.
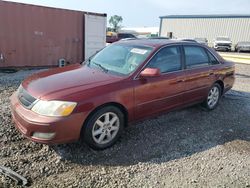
<point>223,43</point>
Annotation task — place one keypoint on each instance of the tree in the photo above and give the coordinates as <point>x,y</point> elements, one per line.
<point>114,22</point>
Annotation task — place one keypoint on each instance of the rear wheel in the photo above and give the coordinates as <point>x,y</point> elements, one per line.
<point>104,128</point>
<point>213,97</point>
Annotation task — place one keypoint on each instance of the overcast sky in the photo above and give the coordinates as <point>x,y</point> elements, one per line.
<point>139,13</point>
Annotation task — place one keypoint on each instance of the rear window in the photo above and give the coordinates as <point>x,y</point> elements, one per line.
<point>213,60</point>
<point>125,35</point>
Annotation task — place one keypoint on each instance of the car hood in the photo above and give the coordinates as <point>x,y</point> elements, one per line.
<point>59,82</point>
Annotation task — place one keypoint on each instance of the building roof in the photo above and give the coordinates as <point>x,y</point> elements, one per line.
<point>207,16</point>
<point>53,8</point>
<point>140,29</point>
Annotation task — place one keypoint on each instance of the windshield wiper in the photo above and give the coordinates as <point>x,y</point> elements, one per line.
<point>102,67</point>
<point>86,62</point>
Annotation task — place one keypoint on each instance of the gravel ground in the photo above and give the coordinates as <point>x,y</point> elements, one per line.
<point>185,148</point>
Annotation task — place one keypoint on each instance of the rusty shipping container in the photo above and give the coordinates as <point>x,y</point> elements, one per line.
<point>39,36</point>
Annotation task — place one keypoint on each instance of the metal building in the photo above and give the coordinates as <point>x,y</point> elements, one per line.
<point>33,35</point>
<point>236,27</point>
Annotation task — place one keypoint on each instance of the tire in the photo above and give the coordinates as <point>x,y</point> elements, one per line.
<point>213,97</point>
<point>104,128</point>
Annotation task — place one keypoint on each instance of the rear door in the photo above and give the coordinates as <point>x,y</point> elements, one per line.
<point>156,94</point>
<point>95,34</point>
<point>199,77</point>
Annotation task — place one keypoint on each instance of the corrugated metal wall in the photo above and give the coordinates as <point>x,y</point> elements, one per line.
<point>238,29</point>
<point>39,36</point>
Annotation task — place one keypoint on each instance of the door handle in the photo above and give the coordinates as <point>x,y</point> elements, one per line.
<point>211,74</point>
<point>179,81</point>
<point>1,57</point>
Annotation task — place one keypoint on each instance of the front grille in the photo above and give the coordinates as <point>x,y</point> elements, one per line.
<point>221,44</point>
<point>25,98</point>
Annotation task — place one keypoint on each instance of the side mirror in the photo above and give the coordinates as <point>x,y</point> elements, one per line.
<point>150,72</point>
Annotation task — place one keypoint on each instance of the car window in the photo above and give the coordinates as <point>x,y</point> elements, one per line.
<point>131,36</point>
<point>124,35</point>
<point>195,57</point>
<point>213,60</point>
<point>167,60</point>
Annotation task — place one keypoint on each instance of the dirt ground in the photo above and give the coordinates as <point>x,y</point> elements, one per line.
<point>185,148</point>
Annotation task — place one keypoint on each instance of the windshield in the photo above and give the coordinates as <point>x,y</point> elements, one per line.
<point>120,59</point>
<point>244,43</point>
<point>223,38</point>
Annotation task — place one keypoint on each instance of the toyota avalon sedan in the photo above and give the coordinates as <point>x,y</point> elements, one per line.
<point>126,81</point>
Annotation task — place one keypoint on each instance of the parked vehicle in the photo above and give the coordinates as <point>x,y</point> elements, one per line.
<point>201,41</point>
<point>187,40</point>
<point>119,36</point>
<point>167,38</point>
<point>126,81</point>
<point>111,38</point>
<point>125,36</point>
<point>222,43</point>
<point>242,47</point>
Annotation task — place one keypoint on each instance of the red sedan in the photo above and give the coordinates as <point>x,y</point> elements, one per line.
<point>124,82</point>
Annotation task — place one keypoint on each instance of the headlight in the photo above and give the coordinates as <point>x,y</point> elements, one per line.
<point>54,108</point>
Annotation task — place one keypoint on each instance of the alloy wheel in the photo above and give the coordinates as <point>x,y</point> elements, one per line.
<point>213,97</point>
<point>105,128</point>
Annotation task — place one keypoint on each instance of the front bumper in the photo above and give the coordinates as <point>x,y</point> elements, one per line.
<point>222,47</point>
<point>63,129</point>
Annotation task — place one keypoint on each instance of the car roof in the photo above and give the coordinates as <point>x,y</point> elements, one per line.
<point>155,43</point>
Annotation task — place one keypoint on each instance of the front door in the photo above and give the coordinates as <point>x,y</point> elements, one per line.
<point>156,94</point>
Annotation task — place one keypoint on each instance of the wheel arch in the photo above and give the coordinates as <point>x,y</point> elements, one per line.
<point>115,104</point>
<point>221,83</point>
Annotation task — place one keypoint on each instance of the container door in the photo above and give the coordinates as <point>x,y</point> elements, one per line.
<point>95,34</point>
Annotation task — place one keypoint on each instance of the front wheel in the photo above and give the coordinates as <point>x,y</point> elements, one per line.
<point>104,128</point>
<point>213,97</point>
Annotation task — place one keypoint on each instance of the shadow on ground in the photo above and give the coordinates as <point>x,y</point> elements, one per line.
<point>243,76</point>
<point>171,136</point>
